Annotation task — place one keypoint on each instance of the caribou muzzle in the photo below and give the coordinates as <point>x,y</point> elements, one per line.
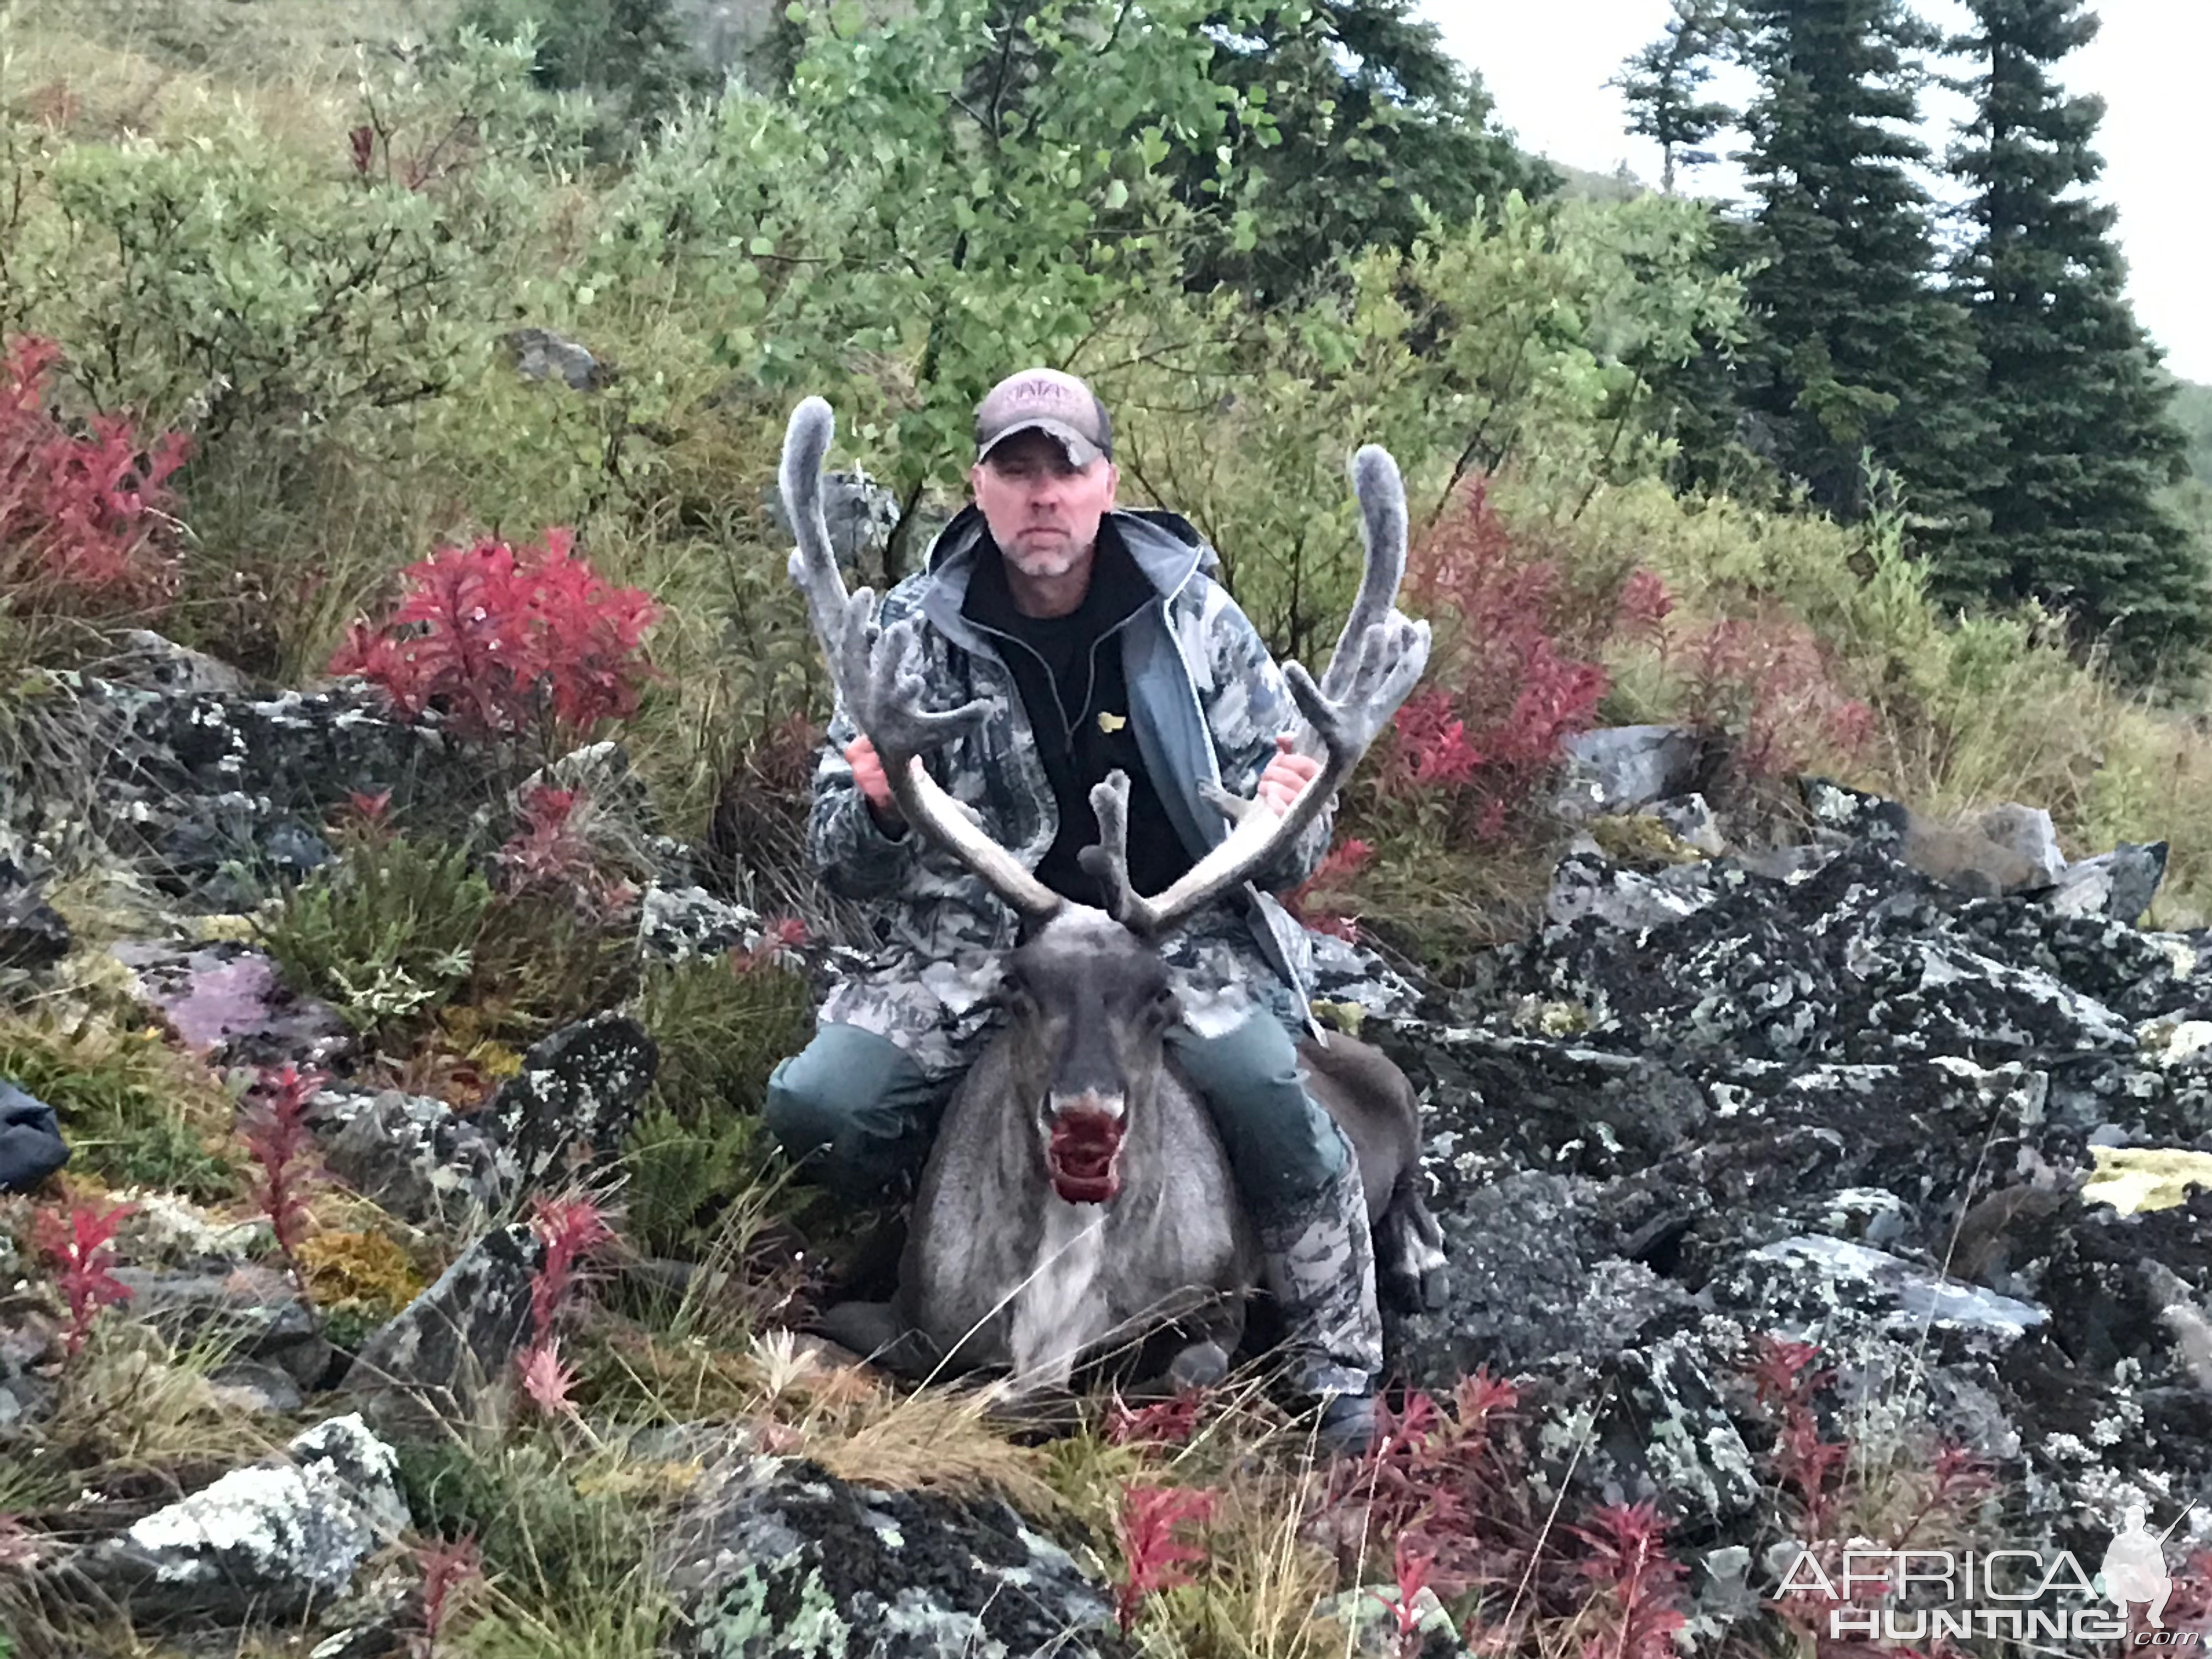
<point>1083,1145</point>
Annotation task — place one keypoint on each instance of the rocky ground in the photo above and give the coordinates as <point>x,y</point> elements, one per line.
<point>1943,1124</point>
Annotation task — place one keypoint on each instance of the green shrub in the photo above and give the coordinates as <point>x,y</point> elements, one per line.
<point>632,50</point>
<point>388,933</point>
<point>700,1144</point>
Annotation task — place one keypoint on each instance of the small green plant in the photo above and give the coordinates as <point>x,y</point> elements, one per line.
<point>388,932</point>
<point>722,1025</point>
<point>566,1541</point>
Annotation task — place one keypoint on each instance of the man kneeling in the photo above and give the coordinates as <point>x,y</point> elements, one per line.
<point>1108,647</point>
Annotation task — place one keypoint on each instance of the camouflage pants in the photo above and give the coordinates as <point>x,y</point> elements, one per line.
<point>857,1110</point>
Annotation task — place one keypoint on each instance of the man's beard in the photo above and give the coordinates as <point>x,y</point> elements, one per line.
<point>1041,563</point>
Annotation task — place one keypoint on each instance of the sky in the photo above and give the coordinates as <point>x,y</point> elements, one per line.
<point>1547,66</point>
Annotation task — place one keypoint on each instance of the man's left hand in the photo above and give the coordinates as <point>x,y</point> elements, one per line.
<point>1287,775</point>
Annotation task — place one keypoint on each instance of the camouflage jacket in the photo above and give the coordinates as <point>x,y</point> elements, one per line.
<point>1205,701</point>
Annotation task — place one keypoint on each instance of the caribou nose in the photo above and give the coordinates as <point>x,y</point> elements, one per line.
<point>1082,1144</point>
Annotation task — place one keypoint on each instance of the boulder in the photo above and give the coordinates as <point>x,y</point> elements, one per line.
<point>425,1372</point>
<point>264,1542</point>
<point>783,1557</point>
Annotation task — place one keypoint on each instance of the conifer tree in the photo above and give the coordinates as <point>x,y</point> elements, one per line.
<point>1662,86</point>
<point>1861,349</point>
<point>2085,431</point>
<point>1371,117</point>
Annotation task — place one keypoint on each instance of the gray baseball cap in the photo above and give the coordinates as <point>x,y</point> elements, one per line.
<point>1045,400</point>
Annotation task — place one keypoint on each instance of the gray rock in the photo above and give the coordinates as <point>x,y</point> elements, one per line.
<point>860,515</point>
<point>542,355</point>
<point>783,1557</point>
<point>425,1371</point>
<point>32,933</point>
<point>1586,884</point>
<point>416,1157</point>
<point>211,790</point>
<point>253,1312</point>
<point>576,1096</point>
<point>1691,820</point>
<point>677,924</point>
<point>145,659</point>
<point>1344,972</point>
<point>1804,1282</point>
<point>2120,884</point>
<point>258,1388</point>
<point>228,1002</point>
<point>269,1540</point>
<point>2028,831</point>
<point>1618,769</point>
<point>1536,1276</point>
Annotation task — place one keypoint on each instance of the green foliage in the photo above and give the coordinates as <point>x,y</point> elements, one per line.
<point>700,1142</point>
<point>631,50</point>
<point>2081,409</point>
<point>1858,347</point>
<point>273,291</point>
<point>956,189</point>
<point>387,931</point>
<point>1369,125</point>
<point>1661,85</point>
<point>135,1111</point>
<point>720,1030</point>
<point>1527,339</point>
<point>566,1541</point>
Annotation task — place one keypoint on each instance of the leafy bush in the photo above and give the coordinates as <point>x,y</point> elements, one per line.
<point>83,514</point>
<point>721,1026</point>
<point>633,51</point>
<point>387,931</point>
<point>507,644</point>
<point>1512,673</point>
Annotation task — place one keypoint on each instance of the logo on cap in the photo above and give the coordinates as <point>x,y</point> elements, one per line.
<point>1045,400</point>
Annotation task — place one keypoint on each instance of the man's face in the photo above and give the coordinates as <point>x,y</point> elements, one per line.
<point>1043,513</point>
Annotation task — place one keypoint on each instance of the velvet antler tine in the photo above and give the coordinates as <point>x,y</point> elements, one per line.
<point>1381,496</point>
<point>1379,657</point>
<point>872,668</point>
<point>1110,859</point>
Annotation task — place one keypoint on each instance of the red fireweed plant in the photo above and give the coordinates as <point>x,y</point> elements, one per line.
<point>276,1133</point>
<point>1152,1556</point>
<point>568,1230</point>
<point>78,1247</point>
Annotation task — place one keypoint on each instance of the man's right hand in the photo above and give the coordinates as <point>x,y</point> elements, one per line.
<point>874,785</point>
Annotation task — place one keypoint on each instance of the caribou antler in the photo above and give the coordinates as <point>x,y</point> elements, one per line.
<point>1378,657</point>
<point>872,669</point>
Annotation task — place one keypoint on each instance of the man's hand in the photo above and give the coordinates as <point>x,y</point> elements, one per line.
<point>1286,776</point>
<point>874,785</point>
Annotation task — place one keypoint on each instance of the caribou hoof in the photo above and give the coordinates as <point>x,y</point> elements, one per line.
<point>1201,1365</point>
<point>872,1330</point>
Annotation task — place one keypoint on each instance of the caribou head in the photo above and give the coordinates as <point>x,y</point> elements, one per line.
<point>1088,996</point>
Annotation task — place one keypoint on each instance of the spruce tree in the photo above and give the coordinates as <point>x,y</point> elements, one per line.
<point>1662,86</point>
<point>1861,349</point>
<point>2082,410</point>
<point>1372,119</point>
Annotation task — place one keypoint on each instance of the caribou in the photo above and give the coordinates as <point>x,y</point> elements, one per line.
<point>1077,1200</point>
